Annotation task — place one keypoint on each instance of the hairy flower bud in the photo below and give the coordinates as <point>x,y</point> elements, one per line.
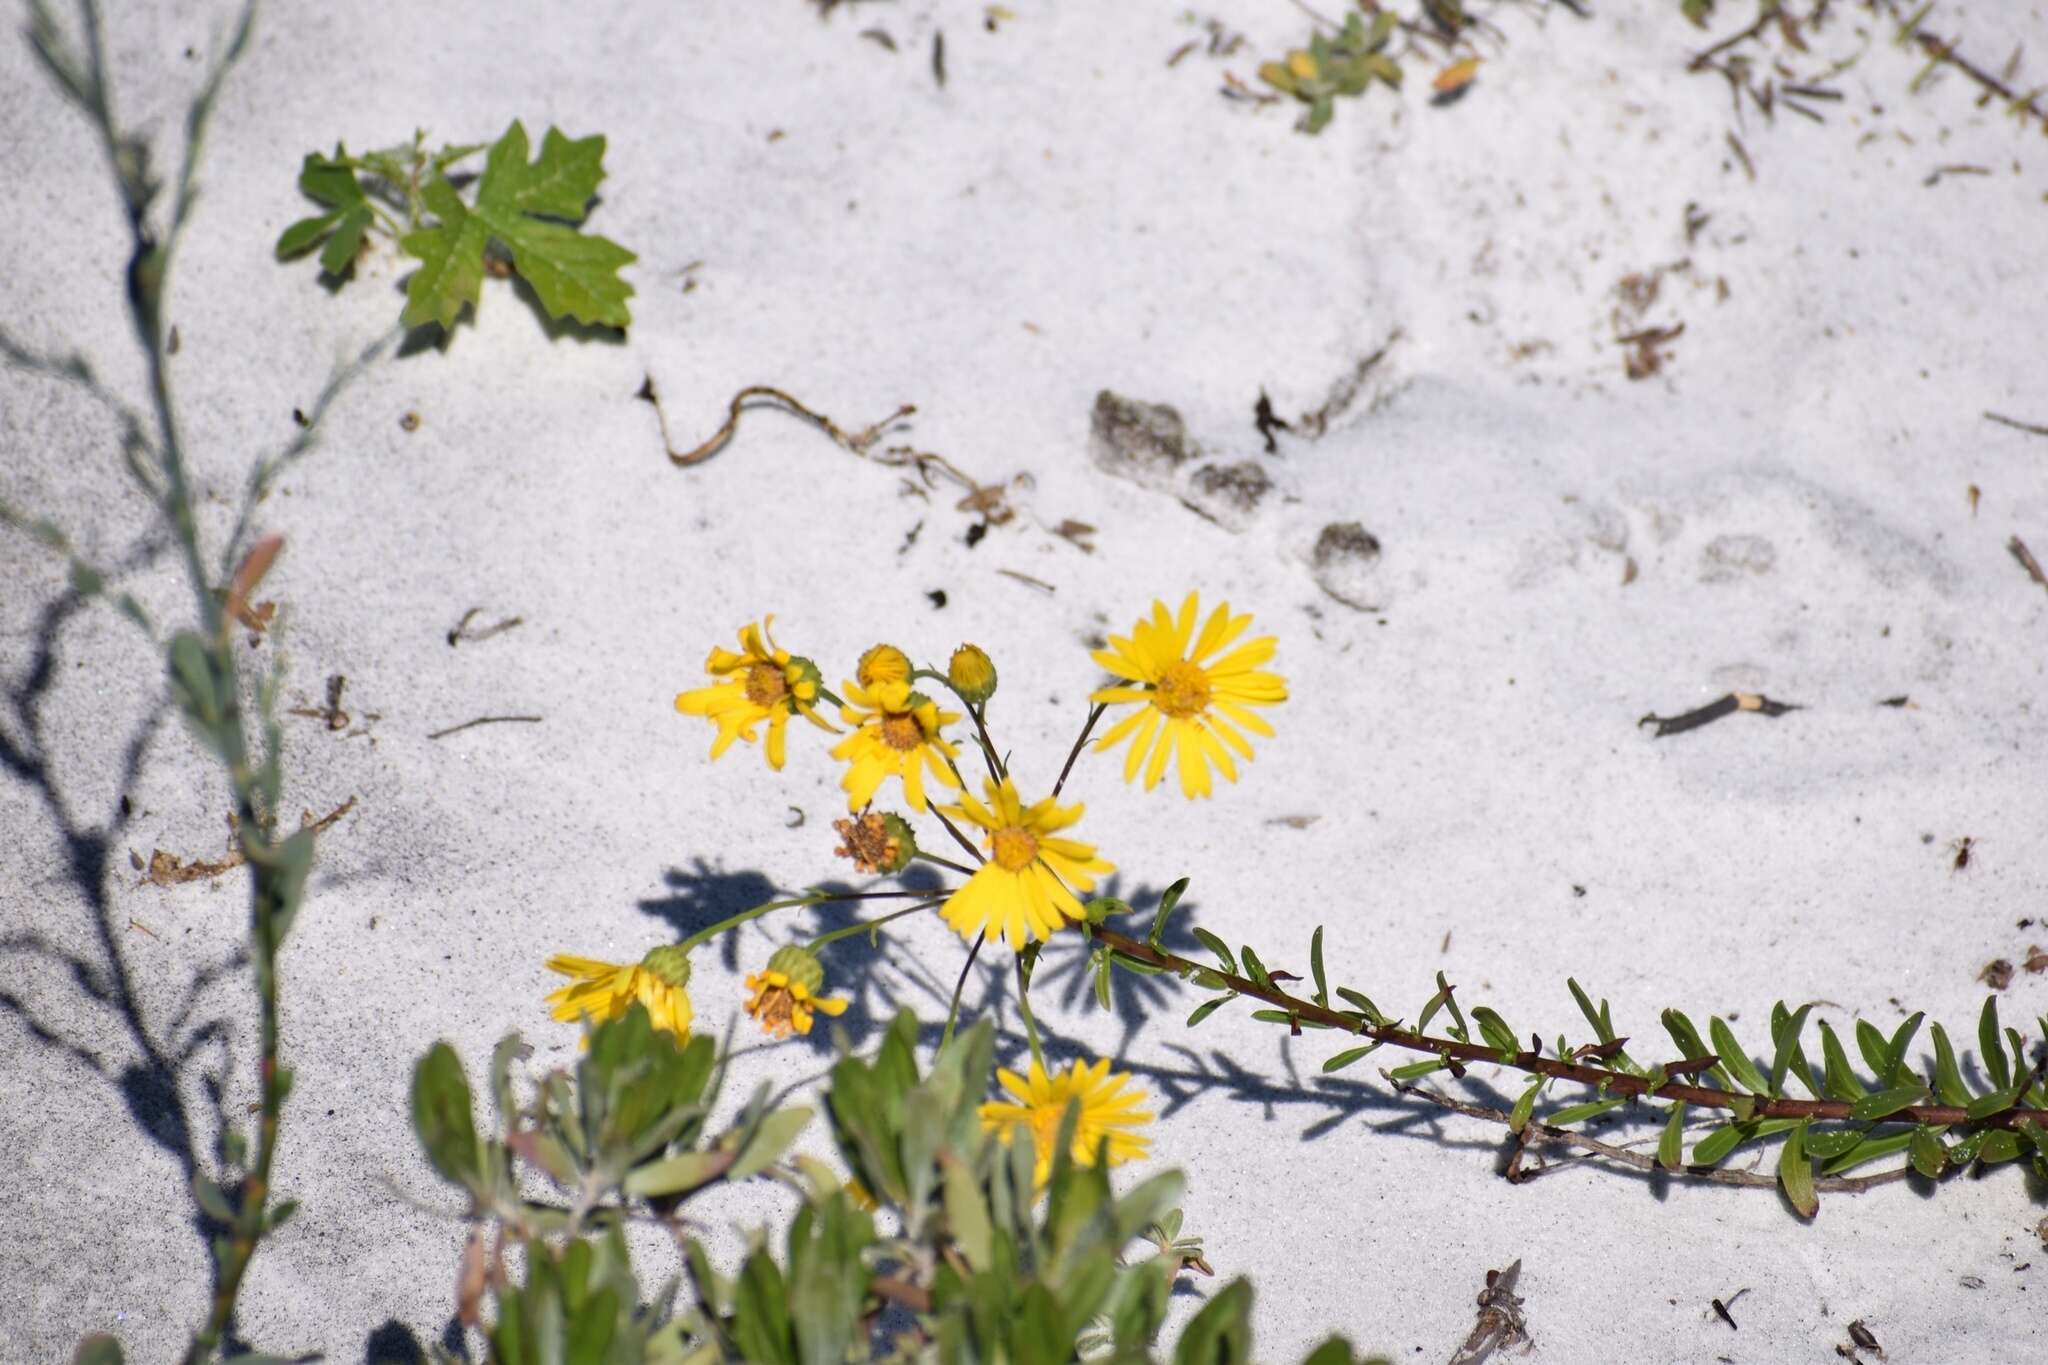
<point>972,673</point>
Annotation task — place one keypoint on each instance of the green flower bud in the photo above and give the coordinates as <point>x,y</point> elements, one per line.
<point>670,962</point>
<point>800,965</point>
<point>972,673</point>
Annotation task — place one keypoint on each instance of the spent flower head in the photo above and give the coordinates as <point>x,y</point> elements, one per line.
<point>600,991</point>
<point>1023,891</point>
<point>785,994</point>
<point>1038,1104</point>
<point>880,842</point>
<point>760,683</point>
<point>1193,691</point>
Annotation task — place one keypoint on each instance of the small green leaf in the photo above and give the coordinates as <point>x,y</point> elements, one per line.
<point>441,1115</point>
<point>1671,1146</point>
<point>676,1175</point>
<point>1885,1103</point>
<point>1167,902</point>
<point>1579,1113</point>
<point>1736,1058</point>
<point>1785,1031</point>
<point>1414,1069</point>
<point>770,1140</point>
<point>1870,1149</point>
<point>1841,1081</point>
<point>1870,1042</point>
<point>1350,1055</point>
<point>1098,910</point>
<point>1795,1173</point>
<point>1254,968</point>
<point>1315,966</point>
<point>1829,1143</point>
<point>1603,1028</point>
<point>1991,1046</point>
<point>1207,1008</point>
<point>1525,1105</point>
<point>1498,1035</point>
<point>1928,1155</point>
<point>1216,946</point>
<point>1714,1148</point>
<point>1363,1004</point>
<point>1999,1144</point>
<point>1948,1078</point>
<point>212,1200</point>
<point>338,257</point>
<point>1997,1102</point>
<point>1895,1066</point>
<point>967,1214</point>
<point>1273,1016</point>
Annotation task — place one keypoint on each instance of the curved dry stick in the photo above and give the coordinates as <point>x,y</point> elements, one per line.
<point>858,444</point>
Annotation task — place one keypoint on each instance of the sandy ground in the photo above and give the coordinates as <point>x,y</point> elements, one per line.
<point>1803,500</point>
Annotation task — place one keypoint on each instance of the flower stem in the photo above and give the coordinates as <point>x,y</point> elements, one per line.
<point>1094,714</point>
<point>953,1011</point>
<point>944,862</point>
<point>1024,1008</point>
<point>814,898</point>
<point>868,926</point>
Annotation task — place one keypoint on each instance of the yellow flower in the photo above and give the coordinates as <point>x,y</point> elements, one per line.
<point>762,683</point>
<point>606,990</point>
<point>882,664</point>
<point>1193,702</point>
<point>1038,1104</point>
<point>972,673</point>
<point>896,734</point>
<point>786,994</point>
<point>1021,892</point>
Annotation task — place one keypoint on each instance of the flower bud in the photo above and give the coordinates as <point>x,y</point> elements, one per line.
<point>800,965</point>
<point>670,962</point>
<point>972,673</point>
<point>883,664</point>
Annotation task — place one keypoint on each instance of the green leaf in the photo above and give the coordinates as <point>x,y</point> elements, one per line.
<point>1315,966</point>
<point>1671,1146</point>
<point>212,1200</point>
<point>1948,1078</point>
<point>1991,1046</point>
<point>1714,1148</point>
<point>338,257</point>
<point>967,1214</point>
<point>1795,1171</point>
<point>771,1138</point>
<point>1997,1102</point>
<point>1829,1143</point>
<point>1841,1080</point>
<point>441,1115</point>
<point>1363,1004</point>
<point>676,1174</point>
<point>1579,1113</point>
<point>1525,1105</point>
<point>1495,1030</point>
<point>98,1349</point>
<point>1220,1334</point>
<point>1927,1153</point>
<point>1735,1058</point>
<point>1785,1031</point>
<point>331,182</point>
<point>1207,1008</point>
<point>1603,1026</point>
<point>1999,1144</point>
<point>1885,1103</point>
<point>1876,1055</point>
<point>1870,1149</point>
<point>1348,1056</point>
<point>1216,946</point>
<point>1895,1065</point>
<point>1167,902</point>
<point>527,207</point>
<point>1254,968</point>
<point>1691,1045</point>
<point>1414,1069</point>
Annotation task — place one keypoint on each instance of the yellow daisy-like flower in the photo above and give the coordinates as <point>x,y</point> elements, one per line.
<point>896,734</point>
<point>1194,698</point>
<point>1039,1104</point>
<point>882,664</point>
<point>1022,891</point>
<point>785,996</point>
<point>606,990</point>
<point>761,683</point>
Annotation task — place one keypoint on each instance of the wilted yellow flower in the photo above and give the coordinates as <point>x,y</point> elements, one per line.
<point>882,664</point>
<point>1021,892</point>
<point>1192,702</point>
<point>1039,1104</point>
<point>606,990</point>
<point>786,995</point>
<point>763,683</point>
<point>896,734</point>
<point>972,673</point>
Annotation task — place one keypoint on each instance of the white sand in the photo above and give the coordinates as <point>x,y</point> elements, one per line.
<point>1068,214</point>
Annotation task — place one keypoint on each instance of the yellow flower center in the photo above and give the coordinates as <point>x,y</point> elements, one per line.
<point>900,730</point>
<point>1182,690</point>
<point>766,685</point>
<point>1016,848</point>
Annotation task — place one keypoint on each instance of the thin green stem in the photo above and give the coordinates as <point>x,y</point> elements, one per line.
<point>1024,1008</point>
<point>946,863</point>
<point>1094,714</point>
<point>959,838</point>
<point>710,932</point>
<point>869,926</point>
<point>953,1011</point>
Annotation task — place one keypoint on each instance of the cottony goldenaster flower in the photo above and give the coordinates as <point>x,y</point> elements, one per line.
<point>972,673</point>
<point>1039,1104</point>
<point>896,734</point>
<point>1193,698</point>
<point>762,683</point>
<point>606,990</point>
<point>1022,891</point>
<point>882,664</point>
<point>785,996</point>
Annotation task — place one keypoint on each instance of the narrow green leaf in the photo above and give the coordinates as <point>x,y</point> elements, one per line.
<point>305,234</point>
<point>1363,1004</point>
<point>1829,1143</point>
<point>1254,968</point>
<point>1795,1173</point>
<point>1928,1155</point>
<point>212,1200</point>
<point>338,257</point>
<point>1414,1069</point>
<point>1841,1081</point>
<point>1991,1046</point>
<point>1315,966</point>
<point>1671,1146</point>
<point>967,1214</point>
<point>1348,1056</point>
<point>771,1138</point>
<point>1785,1031</point>
<point>1948,1078</point>
<point>1579,1113</point>
<point>1495,1030</point>
<point>1997,1102</point>
<point>675,1175</point>
<point>1714,1148</point>
<point>1884,1103</point>
<point>1602,1027</point>
<point>1167,902</point>
<point>1999,1144</point>
<point>1273,1016</point>
<point>1870,1149</point>
<point>1207,1008</point>
<point>1870,1042</point>
<point>441,1114</point>
<point>1691,1045</point>
<point>1525,1105</point>
<point>1736,1058</point>
<point>1902,1039</point>
<point>1216,946</point>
